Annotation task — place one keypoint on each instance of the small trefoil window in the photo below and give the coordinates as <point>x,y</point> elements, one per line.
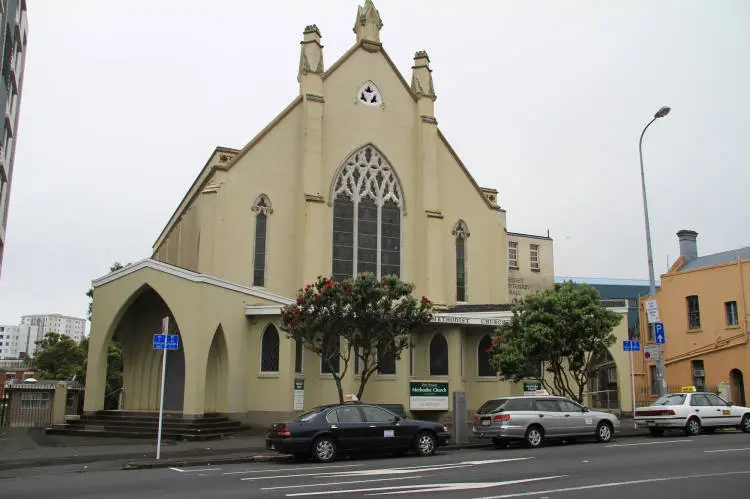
<point>369,94</point>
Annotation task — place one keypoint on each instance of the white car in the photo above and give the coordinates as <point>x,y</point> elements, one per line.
<point>692,412</point>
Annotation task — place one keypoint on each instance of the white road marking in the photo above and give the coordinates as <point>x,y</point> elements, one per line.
<point>345,474</point>
<point>391,471</point>
<point>193,471</point>
<point>342,483</point>
<point>287,469</point>
<point>616,484</point>
<point>650,443</point>
<point>426,487</point>
<point>728,450</point>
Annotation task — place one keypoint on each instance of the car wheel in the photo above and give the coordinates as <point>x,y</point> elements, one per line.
<point>534,436</point>
<point>656,432</point>
<point>324,449</point>
<point>604,432</point>
<point>745,424</point>
<point>693,427</point>
<point>501,443</point>
<point>424,444</point>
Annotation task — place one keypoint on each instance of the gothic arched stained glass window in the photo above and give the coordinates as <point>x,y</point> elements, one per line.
<point>262,207</point>
<point>367,209</point>
<point>461,233</point>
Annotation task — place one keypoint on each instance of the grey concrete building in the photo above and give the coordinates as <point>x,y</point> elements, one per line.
<point>13,38</point>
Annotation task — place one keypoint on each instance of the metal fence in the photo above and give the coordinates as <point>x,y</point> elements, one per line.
<point>28,406</point>
<point>604,399</point>
<point>31,405</point>
<point>74,399</point>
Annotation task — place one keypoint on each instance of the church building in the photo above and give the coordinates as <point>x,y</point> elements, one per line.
<point>353,175</point>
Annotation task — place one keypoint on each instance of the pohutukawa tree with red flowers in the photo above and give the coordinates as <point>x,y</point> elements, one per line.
<point>364,320</point>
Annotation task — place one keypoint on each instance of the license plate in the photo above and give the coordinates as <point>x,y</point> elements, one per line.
<point>486,422</point>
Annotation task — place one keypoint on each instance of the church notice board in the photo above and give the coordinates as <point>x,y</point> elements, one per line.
<point>428,396</point>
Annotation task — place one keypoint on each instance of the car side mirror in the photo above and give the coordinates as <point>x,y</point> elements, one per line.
<point>396,419</point>
<point>585,409</point>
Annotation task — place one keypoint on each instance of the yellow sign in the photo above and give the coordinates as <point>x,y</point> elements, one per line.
<point>688,389</point>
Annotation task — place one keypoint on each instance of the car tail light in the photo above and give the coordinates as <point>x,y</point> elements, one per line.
<point>281,430</point>
<point>476,419</point>
<point>501,417</point>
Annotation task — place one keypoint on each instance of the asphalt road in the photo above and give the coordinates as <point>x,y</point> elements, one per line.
<point>672,466</point>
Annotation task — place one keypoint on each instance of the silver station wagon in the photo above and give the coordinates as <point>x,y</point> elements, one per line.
<point>536,418</point>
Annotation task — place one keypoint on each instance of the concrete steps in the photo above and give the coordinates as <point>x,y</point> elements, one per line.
<point>132,424</point>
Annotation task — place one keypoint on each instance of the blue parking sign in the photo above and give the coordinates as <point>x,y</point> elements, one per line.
<point>659,334</point>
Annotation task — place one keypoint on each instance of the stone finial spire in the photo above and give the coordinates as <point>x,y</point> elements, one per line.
<point>368,23</point>
<point>311,53</point>
<point>421,76</point>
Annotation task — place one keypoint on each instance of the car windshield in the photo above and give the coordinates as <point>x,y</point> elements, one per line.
<point>492,406</point>
<point>671,399</point>
<point>307,416</point>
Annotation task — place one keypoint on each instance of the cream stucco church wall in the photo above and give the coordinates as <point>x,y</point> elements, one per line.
<point>224,284</point>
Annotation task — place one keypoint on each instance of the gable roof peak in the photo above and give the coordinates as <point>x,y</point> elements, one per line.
<point>368,23</point>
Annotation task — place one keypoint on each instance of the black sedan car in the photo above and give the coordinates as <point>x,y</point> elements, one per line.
<point>330,430</point>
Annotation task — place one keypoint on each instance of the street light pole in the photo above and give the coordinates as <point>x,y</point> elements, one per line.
<point>652,281</point>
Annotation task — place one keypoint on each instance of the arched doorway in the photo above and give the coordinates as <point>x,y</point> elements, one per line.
<point>141,364</point>
<point>738,387</point>
<point>604,387</point>
<point>216,375</point>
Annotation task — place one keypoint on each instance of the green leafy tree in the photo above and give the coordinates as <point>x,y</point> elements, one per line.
<point>58,357</point>
<point>372,317</point>
<point>383,315</point>
<point>562,329</point>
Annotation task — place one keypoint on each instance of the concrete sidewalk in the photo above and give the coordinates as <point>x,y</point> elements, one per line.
<point>27,448</point>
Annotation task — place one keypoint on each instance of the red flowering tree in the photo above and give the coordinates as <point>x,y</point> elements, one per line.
<point>383,315</point>
<point>373,318</point>
<point>554,337</point>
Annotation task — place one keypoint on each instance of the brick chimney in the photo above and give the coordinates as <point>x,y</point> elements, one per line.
<point>688,245</point>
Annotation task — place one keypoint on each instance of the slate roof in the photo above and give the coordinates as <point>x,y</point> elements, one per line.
<point>718,258</point>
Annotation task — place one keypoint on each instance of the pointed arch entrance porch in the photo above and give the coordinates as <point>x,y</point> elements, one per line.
<point>129,304</point>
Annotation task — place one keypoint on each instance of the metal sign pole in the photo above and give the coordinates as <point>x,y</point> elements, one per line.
<point>165,330</point>
<point>632,386</point>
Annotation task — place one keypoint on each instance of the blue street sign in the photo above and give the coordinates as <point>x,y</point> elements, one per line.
<point>172,341</point>
<point>659,334</point>
<point>631,346</point>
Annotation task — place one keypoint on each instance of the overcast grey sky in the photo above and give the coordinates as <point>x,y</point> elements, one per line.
<point>543,100</point>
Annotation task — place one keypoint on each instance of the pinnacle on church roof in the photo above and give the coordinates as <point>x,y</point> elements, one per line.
<point>311,28</point>
<point>421,54</point>
<point>368,23</point>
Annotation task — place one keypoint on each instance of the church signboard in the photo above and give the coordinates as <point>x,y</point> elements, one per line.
<point>428,396</point>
